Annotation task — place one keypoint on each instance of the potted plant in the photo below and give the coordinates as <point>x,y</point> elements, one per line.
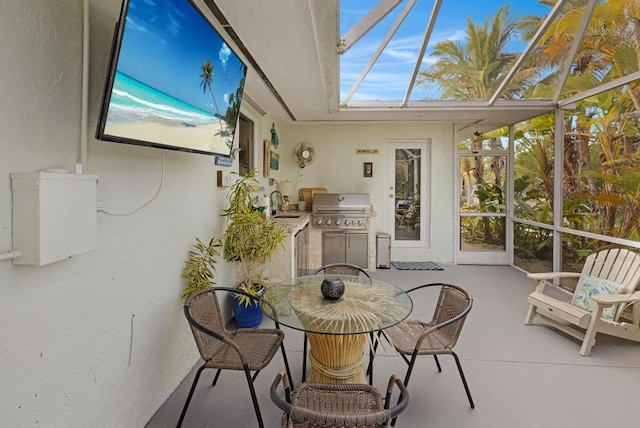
<point>251,240</point>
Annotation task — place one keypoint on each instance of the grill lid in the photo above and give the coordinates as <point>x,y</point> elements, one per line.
<point>341,203</point>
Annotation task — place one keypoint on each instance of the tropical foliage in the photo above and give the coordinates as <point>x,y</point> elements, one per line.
<point>251,238</point>
<point>473,68</point>
<point>200,268</point>
<point>601,168</point>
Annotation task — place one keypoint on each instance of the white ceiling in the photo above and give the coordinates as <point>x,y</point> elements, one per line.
<point>293,45</point>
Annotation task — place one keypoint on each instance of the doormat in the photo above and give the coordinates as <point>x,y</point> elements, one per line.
<point>416,266</point>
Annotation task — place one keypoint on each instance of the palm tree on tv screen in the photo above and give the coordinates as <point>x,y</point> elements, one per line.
<point>207,80</point>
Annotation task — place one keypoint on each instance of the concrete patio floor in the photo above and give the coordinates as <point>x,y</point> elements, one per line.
<point>519,376</point>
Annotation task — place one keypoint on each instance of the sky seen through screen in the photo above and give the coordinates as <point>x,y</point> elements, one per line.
<point>389,77</point>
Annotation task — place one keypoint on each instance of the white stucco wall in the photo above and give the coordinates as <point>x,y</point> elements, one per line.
<point>66,328</point>
<point>338,168</point>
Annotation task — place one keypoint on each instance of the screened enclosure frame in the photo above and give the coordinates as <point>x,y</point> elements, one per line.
<point>384,7</point>
<point>557,229</point>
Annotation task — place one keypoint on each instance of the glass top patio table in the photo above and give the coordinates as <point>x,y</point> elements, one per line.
<point>367,305</point>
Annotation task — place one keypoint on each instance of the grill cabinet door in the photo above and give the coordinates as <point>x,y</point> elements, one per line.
<point>333,247</point>
<point>341,247</point>
<point>356,249</point>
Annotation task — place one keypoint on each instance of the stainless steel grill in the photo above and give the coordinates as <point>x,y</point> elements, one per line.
<point>341,210</point>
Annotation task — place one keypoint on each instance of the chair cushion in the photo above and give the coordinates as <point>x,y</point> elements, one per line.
<point>593,286</point>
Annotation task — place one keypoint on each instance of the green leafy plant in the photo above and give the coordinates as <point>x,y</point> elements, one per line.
<point>200,267</point>
<point>240,195</point>
<point>410,220</point>
<point>251,239</point>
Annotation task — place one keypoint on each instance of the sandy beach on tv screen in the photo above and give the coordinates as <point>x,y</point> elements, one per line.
<point>202,137</point>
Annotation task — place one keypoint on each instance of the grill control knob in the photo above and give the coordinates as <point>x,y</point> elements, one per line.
<point>359,222</point>
<point>328,222</point>
<point>347,222</point>
<point>338,222</point>
<point>319,222</point>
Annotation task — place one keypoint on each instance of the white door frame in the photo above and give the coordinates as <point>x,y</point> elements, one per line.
<point>425,202</point>
<point>486,257</point>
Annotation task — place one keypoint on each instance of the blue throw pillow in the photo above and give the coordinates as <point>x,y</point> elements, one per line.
<point>593,286</point>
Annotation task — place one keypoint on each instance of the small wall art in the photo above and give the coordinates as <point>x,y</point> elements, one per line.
<point>275,161</point>
<point>368,169</point>
<point>266,161</point>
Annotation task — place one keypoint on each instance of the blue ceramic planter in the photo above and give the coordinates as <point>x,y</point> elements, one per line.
<point>247,316</point>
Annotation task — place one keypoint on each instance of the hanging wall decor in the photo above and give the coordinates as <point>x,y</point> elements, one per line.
<point>274,137</point>
<point>266,160</point>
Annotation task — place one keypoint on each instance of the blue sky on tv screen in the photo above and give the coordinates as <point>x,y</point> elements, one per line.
<point>164,45</point>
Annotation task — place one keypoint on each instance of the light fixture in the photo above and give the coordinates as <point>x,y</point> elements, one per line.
<point>286,189</point>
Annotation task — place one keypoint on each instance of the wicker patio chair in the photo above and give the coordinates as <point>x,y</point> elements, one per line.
<point>247,349</point>
<point>320,405</point>
<point>341,269</point>
<point>436,337</point>
<point>335,269</point>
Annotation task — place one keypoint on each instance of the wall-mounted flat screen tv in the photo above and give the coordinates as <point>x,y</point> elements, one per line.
<point>173,82</point>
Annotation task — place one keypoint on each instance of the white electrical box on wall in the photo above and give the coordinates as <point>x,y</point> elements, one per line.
<point>54,216</point>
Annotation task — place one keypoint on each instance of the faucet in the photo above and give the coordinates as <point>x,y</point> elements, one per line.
<point>275,207</point>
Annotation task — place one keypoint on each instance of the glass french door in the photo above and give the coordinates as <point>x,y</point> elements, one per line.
<point>482,225</point>
<point>408,199</point>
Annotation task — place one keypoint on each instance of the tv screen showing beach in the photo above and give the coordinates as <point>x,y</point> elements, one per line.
<point>173,83</point>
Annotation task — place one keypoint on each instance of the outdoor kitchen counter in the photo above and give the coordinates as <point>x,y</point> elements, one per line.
<point>293,225</point>
<point>284,264</point>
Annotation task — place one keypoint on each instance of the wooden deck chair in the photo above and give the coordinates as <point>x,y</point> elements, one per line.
<point>606,299</point>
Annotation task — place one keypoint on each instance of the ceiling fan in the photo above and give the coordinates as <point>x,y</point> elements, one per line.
<point>304,154</point>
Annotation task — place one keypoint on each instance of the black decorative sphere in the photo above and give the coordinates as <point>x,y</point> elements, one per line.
<point>332,288</point>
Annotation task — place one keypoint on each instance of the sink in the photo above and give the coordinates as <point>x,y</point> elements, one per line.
<point>286,216</point>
